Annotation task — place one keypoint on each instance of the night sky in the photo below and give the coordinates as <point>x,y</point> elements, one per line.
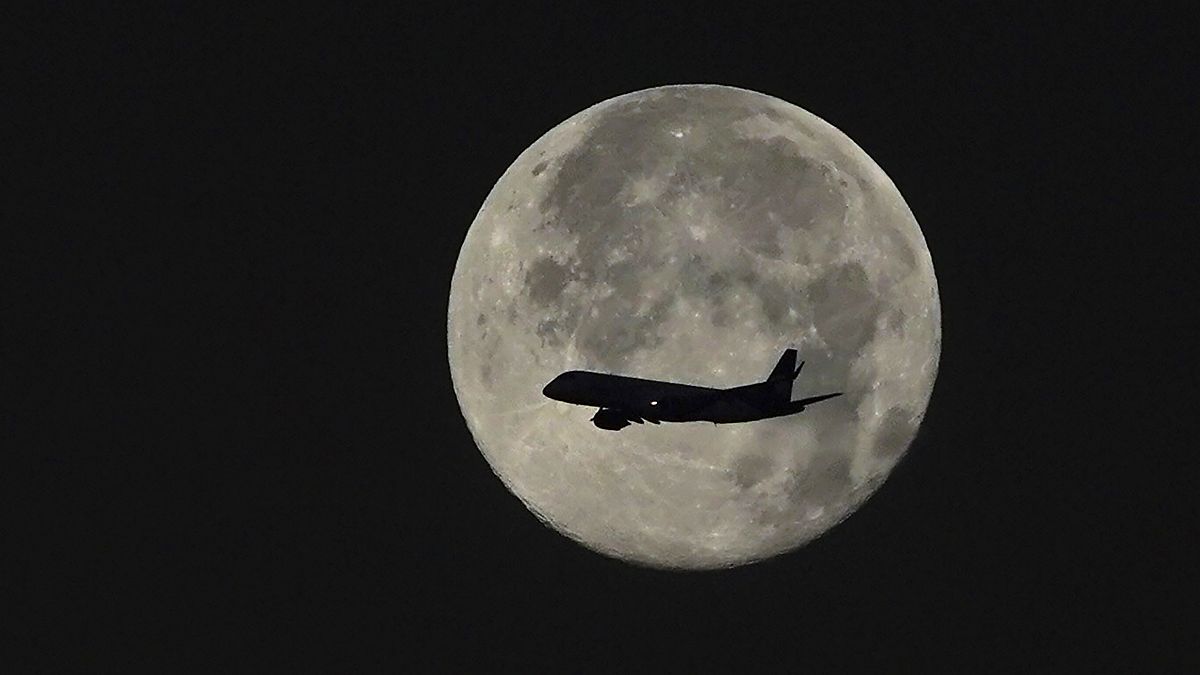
<point>234,441</point>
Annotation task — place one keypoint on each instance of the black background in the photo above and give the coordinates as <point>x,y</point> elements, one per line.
<point>237,446</point>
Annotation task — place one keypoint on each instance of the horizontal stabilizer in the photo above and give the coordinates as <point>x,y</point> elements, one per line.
<point>816,399</point>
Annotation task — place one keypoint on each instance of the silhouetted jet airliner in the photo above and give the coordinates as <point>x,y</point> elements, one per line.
<point>622,400</point>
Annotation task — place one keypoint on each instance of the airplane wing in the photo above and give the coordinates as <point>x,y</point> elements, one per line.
<point>615,419</point>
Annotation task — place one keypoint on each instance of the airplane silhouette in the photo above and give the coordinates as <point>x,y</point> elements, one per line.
<point>622,400</point>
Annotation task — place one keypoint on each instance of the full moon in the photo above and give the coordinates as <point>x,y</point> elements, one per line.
<point>690,234</point>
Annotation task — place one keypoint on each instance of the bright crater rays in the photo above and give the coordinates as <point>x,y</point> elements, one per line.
<point>690,234</point>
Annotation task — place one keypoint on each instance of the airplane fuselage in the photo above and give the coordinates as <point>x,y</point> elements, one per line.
<point>656,401</point>
<point>621,400</point>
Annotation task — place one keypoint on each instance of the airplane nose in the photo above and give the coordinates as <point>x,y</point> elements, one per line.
<point>558,389</point>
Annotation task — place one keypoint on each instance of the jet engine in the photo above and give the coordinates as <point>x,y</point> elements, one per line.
<point>612,420</point>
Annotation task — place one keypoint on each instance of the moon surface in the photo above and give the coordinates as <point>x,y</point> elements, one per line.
<point>691,233</point>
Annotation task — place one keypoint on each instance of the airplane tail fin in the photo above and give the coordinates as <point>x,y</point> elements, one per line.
<point>782,375</point>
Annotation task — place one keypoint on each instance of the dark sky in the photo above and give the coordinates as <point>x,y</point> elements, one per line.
<point>235,440</point>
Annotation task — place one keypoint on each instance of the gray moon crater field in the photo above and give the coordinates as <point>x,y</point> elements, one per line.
<point>691,233</point>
